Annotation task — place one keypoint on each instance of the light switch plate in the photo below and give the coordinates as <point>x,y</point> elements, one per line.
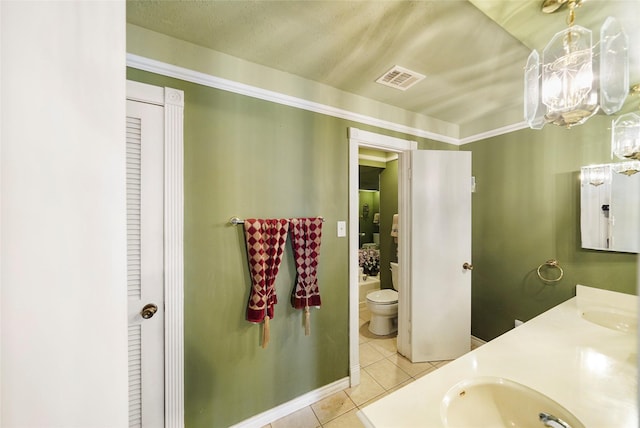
<point>342,229</point>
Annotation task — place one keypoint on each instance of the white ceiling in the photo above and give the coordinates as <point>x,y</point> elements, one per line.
<point>472,52</point>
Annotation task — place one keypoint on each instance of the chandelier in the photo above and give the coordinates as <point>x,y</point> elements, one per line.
<point>574,79</point>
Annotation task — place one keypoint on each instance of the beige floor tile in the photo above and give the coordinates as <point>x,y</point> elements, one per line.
<point>373,400</point>
<point>348,420</point>
<point>303,418</point>
<point>397,387</point>
<point>367,389</point>
<point>361,322</point>
<point>475,345</point>
<point>332,406</point>
<point>439,364</point>
<point>387,374</point>
<point>424,373</point>
<point>369,354</point>
<point>365,315</point>
<point>364,333</point>
<point>412,369</point>
<point>387,346</point>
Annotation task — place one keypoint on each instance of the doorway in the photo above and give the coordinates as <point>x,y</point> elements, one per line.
<point>378,202</point>
<point>434,200</point>
<point>362,139</point>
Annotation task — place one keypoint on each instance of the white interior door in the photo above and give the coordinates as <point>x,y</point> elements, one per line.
<point>440,243</point>
<point>145,145</point>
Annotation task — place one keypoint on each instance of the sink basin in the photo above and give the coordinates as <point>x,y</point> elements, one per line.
<point>485,402</point>
<point>612,318</point>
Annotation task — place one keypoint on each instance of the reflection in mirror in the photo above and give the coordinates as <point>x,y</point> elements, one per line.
<point>369,231</point>
<point>610,207</point>
<point>369,196</point>
<point>369,177</point>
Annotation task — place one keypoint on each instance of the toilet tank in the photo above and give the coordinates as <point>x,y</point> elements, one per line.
<point>394,275</point>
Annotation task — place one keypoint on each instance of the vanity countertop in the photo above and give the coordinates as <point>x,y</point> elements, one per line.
<point>589,369</point>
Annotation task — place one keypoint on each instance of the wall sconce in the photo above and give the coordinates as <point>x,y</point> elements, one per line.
<point>562,88</point>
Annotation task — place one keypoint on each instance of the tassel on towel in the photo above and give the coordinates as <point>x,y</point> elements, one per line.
<point>266,332</point>
<point>307,321</point>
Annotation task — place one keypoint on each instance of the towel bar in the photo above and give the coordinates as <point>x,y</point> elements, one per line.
<point>238,220</point>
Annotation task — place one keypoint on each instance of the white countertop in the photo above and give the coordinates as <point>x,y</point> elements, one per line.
<point>589,369</point>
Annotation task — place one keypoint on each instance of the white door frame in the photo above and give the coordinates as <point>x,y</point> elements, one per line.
<point>173,102</point>
<point>359,138</point>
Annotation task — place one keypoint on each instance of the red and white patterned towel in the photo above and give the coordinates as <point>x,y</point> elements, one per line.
<point>306,235</point>
<point>265,243</point>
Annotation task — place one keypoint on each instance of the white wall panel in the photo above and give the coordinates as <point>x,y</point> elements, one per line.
<point>63,219</point>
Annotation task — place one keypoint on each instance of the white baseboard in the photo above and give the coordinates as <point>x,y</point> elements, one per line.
<point>294,405</point>
<point>475,342</point>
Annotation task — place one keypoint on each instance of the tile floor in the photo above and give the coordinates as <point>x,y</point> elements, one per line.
<point>383,371</point>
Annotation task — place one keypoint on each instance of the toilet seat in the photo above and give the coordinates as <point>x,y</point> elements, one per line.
<point>383,297</point>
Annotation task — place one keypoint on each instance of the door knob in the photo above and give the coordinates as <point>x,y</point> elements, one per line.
<point>467,266</point>
<point>148,310</point>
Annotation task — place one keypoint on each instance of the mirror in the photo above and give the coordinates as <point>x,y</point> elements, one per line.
<point>369,177</point>
<point>610,207</point>
<point>369,196</point>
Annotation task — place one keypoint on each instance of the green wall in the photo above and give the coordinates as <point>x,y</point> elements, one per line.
<point>527,210</point>
<point>251,158</point>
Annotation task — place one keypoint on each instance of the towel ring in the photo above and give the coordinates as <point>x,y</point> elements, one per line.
<point>551,263</point>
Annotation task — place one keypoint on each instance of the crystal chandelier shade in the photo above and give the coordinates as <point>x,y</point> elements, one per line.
<point>567,77</point>
<point>595,175</point>
<point>625,136</point>
<point>626,168</point>
<point>574,80</point>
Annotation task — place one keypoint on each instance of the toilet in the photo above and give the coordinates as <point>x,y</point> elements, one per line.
<point>383,305</point>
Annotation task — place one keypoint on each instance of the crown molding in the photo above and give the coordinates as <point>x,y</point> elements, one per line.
<point>170,70</point>
<point>493,133</point>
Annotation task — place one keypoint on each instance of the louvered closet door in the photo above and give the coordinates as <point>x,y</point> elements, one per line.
<point>145,140</point>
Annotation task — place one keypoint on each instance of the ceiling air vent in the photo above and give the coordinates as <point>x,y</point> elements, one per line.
<point>400,78</point>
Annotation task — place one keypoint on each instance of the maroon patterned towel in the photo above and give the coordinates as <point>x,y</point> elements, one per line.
<point>306,234</point>
<point>265,243</point>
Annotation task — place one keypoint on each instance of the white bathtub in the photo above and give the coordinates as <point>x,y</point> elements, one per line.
<point>365,286</point>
